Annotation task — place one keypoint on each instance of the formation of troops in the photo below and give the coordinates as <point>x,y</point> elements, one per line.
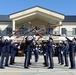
<point>64,50</point>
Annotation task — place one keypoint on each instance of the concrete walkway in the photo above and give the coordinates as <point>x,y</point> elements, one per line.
<point>36,68</point>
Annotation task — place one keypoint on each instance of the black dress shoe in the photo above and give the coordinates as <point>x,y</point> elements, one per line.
<point>30,63</point>
<point>66,65</point>
<point>7,65</point>
<point>72,68</point>
<point>11,64</point>
<point>2,68</point>
<point>50,67</point>
<point>26,67</point>
<point>46,66</point>
<point>58,63</point>
<point>44,63</point>
<point>62,64</point>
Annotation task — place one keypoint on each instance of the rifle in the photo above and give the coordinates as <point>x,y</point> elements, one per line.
<point>15,31</point>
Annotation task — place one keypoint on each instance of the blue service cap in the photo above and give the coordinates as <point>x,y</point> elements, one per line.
<point>6,40</point>
<point>1,36</point>
<point>10,40</point>
<point>74,38</point>
<point>50,38</point>
<point>26,37</point>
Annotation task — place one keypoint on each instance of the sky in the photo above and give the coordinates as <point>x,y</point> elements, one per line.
<point>66,7</point>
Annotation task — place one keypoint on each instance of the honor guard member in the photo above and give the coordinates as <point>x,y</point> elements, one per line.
<point>3,52</point>
<point>7,52</point>
<point>58,52</point>
<point>0,44</point>
<point>66,47</point>
<point>36,51</point>
<point>72,52</point>
<point>61,46</point>
<point>50,53</point>
<point>45,52</point>
<point>13,52</point>
<point>27,51</point>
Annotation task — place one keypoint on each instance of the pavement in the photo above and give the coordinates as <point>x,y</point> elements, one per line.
<point>37,68</point>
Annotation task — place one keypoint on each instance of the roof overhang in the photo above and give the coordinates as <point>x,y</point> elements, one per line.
<point>39,13</point>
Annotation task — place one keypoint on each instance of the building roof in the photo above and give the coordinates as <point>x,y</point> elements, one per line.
<point>4,18</point>
<point>39,7</point>
<point>70,19</point>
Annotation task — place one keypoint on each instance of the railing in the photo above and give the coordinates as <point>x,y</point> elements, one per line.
<point>68,33</point>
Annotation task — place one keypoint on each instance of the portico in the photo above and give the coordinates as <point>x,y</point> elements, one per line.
<point>39,17</point>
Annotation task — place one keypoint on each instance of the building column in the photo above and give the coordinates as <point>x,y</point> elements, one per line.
<point>59,30</point>
<point>13,25</point>
<point>13,28</point>
<point>60,24</point>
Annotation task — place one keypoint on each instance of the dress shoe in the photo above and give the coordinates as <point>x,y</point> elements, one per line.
<point>2,68</point>
<point>62,64</point>
<point>72,68</point>
<point>7,65</point>
<point>66,65</point>
<point>11,64</point>
<point>50,67</point>
<point>46,66</point>
<point>26,67</point>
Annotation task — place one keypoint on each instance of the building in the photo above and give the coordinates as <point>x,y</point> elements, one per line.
<point>38,16</point>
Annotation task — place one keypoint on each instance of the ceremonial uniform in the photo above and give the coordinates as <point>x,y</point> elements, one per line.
<point>62,53</point>
<point>13,52</point>
<point>3,52</point>
<point>71,52</point>
<point>50,53</point>
<point>7,52</point>
<point>27,52</point>
<point>45,52</point>
<point>35,50</point>
<point>59,53</point>
<point>66,53</point>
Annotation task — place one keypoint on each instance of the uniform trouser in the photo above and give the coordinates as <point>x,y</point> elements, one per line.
<point>59,58</point>
<point>51,59</point>
<point>26,59</point>
<point>62,59</point>
<point>14,53</point>
<point>7,58</point>
<point>72,60</point>
<point>30,56</point>
<point>46,58</point>
<point>36,55</point>
<point>66,59</point>
<point>12,58</point>
<point>2,59</point>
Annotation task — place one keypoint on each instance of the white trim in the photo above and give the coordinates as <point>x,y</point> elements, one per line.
<point>13,25</point>
<point>36,9</point>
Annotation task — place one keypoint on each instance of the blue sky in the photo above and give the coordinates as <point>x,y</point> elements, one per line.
<point>66,7</point>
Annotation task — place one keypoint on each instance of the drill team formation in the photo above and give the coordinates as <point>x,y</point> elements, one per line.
<point>65,49</point>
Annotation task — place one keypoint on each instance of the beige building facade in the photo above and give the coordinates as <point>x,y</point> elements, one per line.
<point>56,23</point>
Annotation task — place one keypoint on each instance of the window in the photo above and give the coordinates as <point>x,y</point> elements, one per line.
<point>74,31</point>
<point>8,30</point>
<point>49,30</point>
<point>23,30</point>
<point>64,31</point>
